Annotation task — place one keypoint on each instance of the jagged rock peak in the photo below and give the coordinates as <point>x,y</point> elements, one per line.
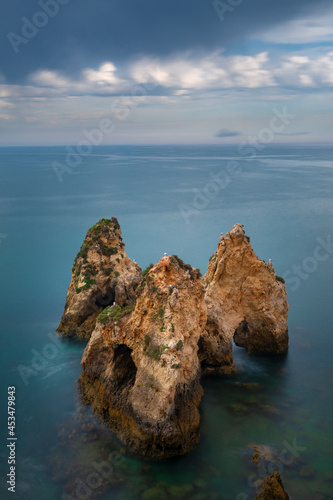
<point>142,370</point>
<point>245,301</point>
<point>101,275</point>
<point>272,489</point>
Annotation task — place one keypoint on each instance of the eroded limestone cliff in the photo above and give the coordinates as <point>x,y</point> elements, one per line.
<point>141,371</point>
<point>246,302</point>
<point>102,274</point>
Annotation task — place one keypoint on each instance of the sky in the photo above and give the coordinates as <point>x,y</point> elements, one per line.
<point>166,72</point>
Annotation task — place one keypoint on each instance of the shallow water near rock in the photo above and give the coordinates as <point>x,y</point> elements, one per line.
<point>284,199</point>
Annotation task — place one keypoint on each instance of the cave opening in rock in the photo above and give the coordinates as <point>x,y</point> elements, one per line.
<point>124,369</point>
<point>242,334</point>
<point>105,299</point>
<point>201,350</point>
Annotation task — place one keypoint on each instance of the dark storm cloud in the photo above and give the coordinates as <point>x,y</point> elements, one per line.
<point>87,32</point>
<point>226,133</point>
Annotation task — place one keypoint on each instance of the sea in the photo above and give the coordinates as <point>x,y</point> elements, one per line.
<point>174,199</point>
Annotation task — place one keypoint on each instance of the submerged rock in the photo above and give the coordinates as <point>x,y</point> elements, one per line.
<point>84,459</point>
<point>256,458</point>
<point>264,452</point>
<point>245,301</point>
<point>141,370</point>
<point>102,274</point>
<point>272,489</point>
<point>307,471</point>
<point>250,387</point>
<point>155,492</point>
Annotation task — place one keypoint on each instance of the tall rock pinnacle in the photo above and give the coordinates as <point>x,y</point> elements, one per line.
<point>102,274</point>
<point>246,302</point>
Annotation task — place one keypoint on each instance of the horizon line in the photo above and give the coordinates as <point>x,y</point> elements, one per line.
<point>307,143</point>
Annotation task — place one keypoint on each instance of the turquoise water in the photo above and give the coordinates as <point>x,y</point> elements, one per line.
<point>284,199</point>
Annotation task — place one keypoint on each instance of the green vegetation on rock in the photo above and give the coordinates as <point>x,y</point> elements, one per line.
<point>113,313</point>
<point>89,271</point>
<point>160,313</point>
<point>107,251</point>
<point>146,271</point>
<point>103,226</point>
<point>180,345</point>
<point>194,273</point>
<point>92,238</point>
<point>153,351</point>
<point>279,278</point>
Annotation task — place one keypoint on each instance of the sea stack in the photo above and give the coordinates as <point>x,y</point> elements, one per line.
<point>101,275</point>
<point>141,370</point>
<point>246,302</point>
<point>155,332</point>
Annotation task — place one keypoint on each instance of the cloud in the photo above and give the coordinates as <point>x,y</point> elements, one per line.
<point>311,27</point>
<point>301,71</point>
<point>210,71</point>
<point>185,73</point>
<point>226,133</point>
<point>5,104</point>
<point>46,78</point>
<point>180,76</point>
<point>104,80</point>
<point>84,34</point>
<point>6,117</point>
<point>106,75</point>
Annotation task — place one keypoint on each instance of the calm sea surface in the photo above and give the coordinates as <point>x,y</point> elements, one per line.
<point>166,201</point>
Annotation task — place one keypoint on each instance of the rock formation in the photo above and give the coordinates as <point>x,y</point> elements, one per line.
<point>102,274</point>
<point>272,489</point>
<point>245,301</point>
<point>141,370</point>
<point>155,332</point>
